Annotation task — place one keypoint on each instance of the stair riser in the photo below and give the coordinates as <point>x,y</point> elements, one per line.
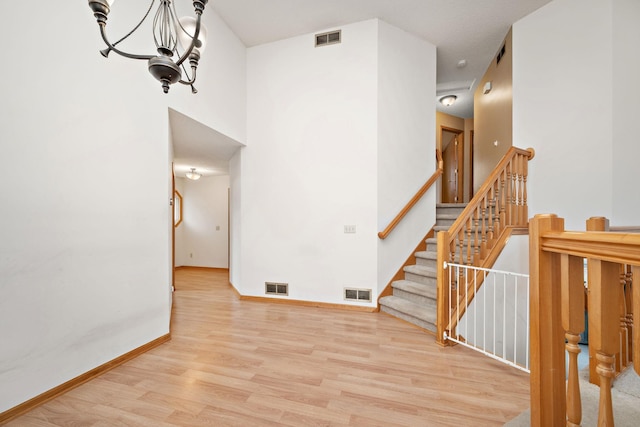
<point>445,222</point>
<point>426,262</point>
<point>425,280</point>
<point>428,303</point>
<point>421,323</point>
<point>449,211</point>
<point>433,263</point>
<point>432,244</point>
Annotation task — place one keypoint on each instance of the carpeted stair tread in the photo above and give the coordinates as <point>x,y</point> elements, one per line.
<point>446,216</point>
<point>416,288</point>
<point>421,270</point>
<point>625,395</point>
<point>409,311</point>
<point>451,205</point>
<point>427,255</point>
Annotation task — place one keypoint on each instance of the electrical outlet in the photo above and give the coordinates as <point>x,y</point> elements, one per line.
<point>350,229</point>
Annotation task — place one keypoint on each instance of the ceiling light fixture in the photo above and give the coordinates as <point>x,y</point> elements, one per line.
<point>193,175</point>
<point>448,100</point>
<point>184,38</point>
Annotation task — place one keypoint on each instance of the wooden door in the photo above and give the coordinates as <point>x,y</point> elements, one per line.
<point>453,165</point>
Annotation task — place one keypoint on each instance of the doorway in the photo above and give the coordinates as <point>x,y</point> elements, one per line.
<point>453,165</point>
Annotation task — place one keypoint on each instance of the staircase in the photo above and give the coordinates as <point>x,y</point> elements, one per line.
<point>414,298</point>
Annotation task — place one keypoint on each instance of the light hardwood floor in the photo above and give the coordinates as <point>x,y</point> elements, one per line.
<point>248,363</point>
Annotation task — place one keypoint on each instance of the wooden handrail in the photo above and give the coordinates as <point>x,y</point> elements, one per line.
<point>434,178</point>
<point>481,229</point>
<point>625,229</point>
<point>613,247</point>
<point>557,314</point>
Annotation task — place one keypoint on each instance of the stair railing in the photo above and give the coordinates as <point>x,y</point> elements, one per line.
<point>421,192</point>
<point>556,263</point>
<point>480,232</point>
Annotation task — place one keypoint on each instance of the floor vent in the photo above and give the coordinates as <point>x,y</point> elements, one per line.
<point>331,37</point>
<point>272,288</point>
<point>352,294</point>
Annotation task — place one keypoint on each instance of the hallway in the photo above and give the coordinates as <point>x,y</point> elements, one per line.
<point>247,363</point>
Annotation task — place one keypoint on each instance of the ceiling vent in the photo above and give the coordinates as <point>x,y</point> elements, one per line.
<point>332,37</point>
<point>272,288</point>
<point>353,294</point>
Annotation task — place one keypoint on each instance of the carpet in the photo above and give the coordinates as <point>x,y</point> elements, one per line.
<point>625,395</point>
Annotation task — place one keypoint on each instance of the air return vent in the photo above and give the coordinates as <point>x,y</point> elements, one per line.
<point>331,37</point>
<point>353,294</point>
<point>272,288</point>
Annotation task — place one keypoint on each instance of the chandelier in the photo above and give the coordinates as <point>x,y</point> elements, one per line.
<point>182,38</point>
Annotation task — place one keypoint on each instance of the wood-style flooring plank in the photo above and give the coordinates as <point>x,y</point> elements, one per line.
<point>235,362</point>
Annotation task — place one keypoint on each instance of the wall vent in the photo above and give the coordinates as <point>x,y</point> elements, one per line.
<point>501,53</point>
<point>331,37</point>
<point>353,294</point>
<point>272,288</point>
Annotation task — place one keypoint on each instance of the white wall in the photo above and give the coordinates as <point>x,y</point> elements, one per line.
<point>202,237</point>
<point>406,142</point>
<point>563,107</point>
<point>235,220</point>
<point>337,135</point>
<point>221,100</point>
<point>85,181</point>
<point>626,110</point>
<point>309,166</point>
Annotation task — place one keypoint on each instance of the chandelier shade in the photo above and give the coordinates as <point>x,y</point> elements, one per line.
<point>189,24</point>
<point>176,40</point>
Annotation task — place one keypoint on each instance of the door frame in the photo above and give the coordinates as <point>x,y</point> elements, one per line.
<point>460,154</point>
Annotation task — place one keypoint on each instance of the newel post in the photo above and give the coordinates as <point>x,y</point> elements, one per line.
<point>548,400</point>
<point>444,305</point>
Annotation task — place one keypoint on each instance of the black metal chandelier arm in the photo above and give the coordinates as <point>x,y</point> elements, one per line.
<point>196,34</point>
<point>103,32</point>
<point>192,80</point>
<point>137,26</point>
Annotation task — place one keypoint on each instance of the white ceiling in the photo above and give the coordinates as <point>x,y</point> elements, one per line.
<point>460,29</point>
<point>198,146</point>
